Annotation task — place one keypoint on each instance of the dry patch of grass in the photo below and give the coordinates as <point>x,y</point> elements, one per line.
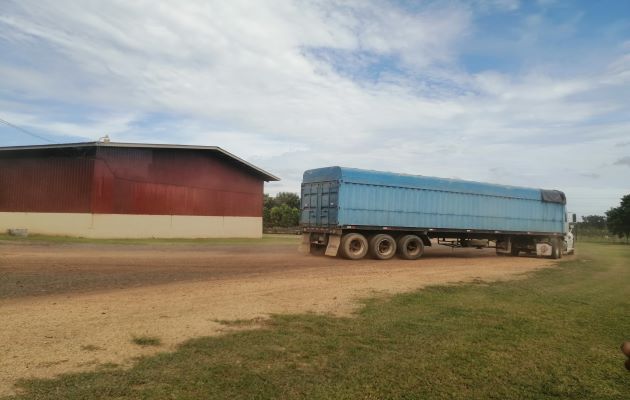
<point>147,340</point>
<point>91,347</point>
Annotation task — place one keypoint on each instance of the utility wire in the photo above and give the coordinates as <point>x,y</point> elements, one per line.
<point>7,123</point>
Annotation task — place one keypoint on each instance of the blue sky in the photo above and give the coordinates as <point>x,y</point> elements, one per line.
<point>528,93</point>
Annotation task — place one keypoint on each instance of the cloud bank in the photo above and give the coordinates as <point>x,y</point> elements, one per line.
<point>438,89</point>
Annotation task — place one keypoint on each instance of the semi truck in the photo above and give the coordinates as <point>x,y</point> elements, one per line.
<point>356,213</point>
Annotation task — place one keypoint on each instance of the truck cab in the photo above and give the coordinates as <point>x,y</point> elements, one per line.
<point>569,236</point>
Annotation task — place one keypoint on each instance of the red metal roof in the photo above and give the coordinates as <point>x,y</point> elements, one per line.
<point>266,176</point>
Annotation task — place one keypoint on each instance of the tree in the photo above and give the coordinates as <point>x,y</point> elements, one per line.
<point>283,210</point>
<point>290,199</point>
<point>591,225</point>
<point>268,202</point>
<point>593,222</point>
<point>284,216</point>
<point>618,218</point>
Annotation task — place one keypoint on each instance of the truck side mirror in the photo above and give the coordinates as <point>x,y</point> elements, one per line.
<point>574,218</point>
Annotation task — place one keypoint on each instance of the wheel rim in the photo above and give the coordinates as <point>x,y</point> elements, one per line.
<point>413,247</point>
<point>385,247</point>
<point>355,246</point>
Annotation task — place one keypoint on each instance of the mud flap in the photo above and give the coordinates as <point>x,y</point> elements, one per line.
<point>333,245</point>
<point>305,246</point>
<point>505,250</point>
<point>543,249</point>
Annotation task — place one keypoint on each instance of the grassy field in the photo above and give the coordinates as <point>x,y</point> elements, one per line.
<point>553,335</point>
<point>601,238</point>
<point>266,239</point>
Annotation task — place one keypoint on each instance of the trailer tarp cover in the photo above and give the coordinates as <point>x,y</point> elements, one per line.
<point>338,197</point>
<point>553,196</point>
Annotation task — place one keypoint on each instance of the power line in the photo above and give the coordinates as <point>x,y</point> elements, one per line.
<point>7,123</point>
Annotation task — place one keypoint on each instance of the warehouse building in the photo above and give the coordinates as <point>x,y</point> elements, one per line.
<point>128,190</point>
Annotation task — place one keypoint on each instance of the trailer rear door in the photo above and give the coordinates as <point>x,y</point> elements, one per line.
<point>320,204</point>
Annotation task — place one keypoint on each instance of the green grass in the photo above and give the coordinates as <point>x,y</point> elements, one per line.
<point>553,335</point>
<point>146,340</point>
<point>266,239</point>
<point>604,238</point>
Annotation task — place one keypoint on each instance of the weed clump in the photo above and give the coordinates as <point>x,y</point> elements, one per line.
<point>146,340</point>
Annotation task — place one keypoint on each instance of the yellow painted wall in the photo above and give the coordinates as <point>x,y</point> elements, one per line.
<point>132,226</point>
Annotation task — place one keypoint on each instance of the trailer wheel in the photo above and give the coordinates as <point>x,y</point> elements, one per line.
<point>354,246</point>
<point>410,247</point>
<point>382,246</point>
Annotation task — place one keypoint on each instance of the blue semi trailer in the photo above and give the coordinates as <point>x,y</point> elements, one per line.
<point>354,213</point>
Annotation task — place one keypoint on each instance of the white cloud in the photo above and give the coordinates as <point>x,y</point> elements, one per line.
<point>287,85</point>
<point>89,130</point>
<point>623,161</point>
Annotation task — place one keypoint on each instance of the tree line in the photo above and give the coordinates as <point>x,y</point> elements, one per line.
<point>618,218</point>
<point>616,221</point>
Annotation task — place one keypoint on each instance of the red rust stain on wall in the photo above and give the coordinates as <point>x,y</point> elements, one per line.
<point>167,182</point>
<point>45,184</point>
<point>129,181</point>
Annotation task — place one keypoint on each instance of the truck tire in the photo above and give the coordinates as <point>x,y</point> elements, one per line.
<point>410,247</point>
<point>556,249</point>
<point>382,246</point>
<point>354,246</point>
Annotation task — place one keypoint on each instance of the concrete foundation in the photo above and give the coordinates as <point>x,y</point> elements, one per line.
<point>132,226</point>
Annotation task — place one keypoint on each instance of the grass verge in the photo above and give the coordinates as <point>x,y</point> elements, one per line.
<point>554,335</point>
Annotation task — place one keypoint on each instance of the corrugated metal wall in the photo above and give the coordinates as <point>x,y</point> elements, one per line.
<point>372,198</point>
<point>53,182</point>
<point>110,180</point>
<point>172,182</point>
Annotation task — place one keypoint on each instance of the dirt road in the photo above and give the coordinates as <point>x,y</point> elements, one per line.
<point>72,307</point>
